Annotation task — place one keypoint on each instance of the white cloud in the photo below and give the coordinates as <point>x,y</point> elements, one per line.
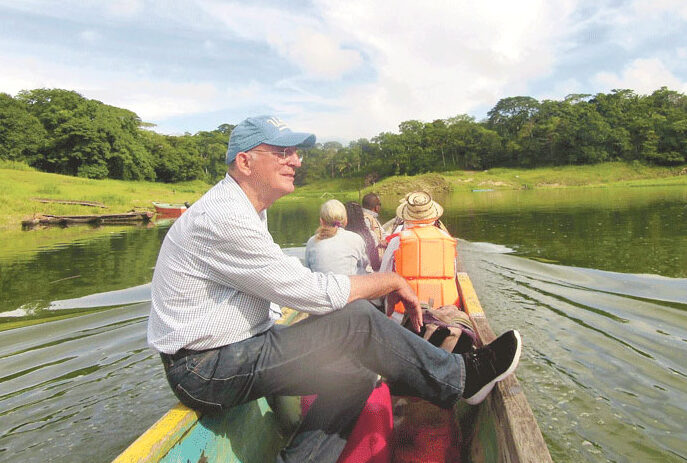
<point>298,38</point>
<point>210,46</point>
<point>564,88</point>
<point>89,36</point>
<point>652,8</point>
<point>354,68</point>
<point>317,54</point>
<point>630,25</point>
<point>643,76</point>
<point>124,8</point>
<point>438,59</point>
<point>150,99</point>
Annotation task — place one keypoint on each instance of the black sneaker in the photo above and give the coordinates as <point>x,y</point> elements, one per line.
<point>486,366</point>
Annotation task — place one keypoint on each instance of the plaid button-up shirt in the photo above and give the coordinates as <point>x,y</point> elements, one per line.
<point>218,272</point>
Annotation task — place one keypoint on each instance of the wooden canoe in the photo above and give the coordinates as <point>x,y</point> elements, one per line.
<point>100,219</point>
<point>500,429</point>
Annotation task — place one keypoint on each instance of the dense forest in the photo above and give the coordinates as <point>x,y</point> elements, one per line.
<point>60,131</point>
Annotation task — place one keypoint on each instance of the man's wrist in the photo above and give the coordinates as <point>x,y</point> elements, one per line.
<point>399,281</point>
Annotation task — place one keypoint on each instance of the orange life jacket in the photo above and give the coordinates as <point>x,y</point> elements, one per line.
<point>426,258</point>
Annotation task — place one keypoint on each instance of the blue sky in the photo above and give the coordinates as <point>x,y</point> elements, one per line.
<point>341,69</point>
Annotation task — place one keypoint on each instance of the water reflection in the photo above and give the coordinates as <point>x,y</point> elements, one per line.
<point>108,262</point>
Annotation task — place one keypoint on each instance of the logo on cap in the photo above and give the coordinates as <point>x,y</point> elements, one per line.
<point>278,123</point>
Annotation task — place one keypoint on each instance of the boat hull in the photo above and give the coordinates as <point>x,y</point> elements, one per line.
<point>169,210</point>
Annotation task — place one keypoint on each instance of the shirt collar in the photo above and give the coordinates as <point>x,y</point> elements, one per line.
<point>372,213</point>
<point>232,184</point>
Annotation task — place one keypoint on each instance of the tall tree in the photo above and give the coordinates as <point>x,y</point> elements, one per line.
<point>22,136</point>
<point>510,114</point>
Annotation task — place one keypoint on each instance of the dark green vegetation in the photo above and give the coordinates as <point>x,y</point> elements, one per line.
<point>520,132</point>
<point>62,132</point>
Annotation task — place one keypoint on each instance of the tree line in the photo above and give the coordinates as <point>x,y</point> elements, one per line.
<point>60,131</point>
<point>520,132</point>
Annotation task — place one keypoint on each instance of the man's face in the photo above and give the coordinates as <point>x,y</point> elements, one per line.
<point>274,172</point>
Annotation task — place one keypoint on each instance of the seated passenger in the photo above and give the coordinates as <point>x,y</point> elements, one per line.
<point>417,209</point>
<point>356,223</point>
<point>334,249</point>
<point>429,268</point>
<point>371,207</point>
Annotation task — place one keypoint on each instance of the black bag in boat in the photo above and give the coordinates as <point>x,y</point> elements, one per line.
<point>446,327</point>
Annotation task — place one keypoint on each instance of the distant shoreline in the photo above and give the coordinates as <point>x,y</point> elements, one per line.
<point>21,186</point>
<point>611,174</point>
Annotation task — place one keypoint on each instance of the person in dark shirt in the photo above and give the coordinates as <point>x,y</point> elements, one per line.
<point>356,223</point>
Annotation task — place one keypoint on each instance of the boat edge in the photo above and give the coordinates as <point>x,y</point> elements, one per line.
<point>519,438</point>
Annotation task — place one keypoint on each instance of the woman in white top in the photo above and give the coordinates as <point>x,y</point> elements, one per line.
<point>334,249</point>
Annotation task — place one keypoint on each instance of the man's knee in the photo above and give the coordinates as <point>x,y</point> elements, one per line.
<point>362,312</point>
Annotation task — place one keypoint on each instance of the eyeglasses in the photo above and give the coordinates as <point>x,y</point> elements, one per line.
<point>283,155</point>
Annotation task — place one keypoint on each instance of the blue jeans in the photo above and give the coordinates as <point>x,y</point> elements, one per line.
<point>336,356</point>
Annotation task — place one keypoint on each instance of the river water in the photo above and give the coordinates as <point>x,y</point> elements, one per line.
<point>595,280</point>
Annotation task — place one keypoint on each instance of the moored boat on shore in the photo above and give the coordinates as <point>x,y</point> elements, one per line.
<point>170,210</point>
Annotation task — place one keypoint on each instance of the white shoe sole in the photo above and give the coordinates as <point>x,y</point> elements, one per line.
<point>482,394</point>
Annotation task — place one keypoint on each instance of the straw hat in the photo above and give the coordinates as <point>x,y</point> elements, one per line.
<point>418,206</point>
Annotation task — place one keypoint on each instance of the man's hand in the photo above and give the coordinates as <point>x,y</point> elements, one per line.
<point>411,303</point>
<point>392,285</point>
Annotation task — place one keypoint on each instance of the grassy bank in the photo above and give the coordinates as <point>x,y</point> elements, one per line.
<point>601,175</point>
<point>20,184</point>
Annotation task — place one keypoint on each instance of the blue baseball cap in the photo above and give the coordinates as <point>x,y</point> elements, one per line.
<point>265,129</point>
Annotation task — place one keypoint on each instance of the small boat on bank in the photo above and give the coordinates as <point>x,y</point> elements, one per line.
<point>500,429</point>
<point>170,210</point>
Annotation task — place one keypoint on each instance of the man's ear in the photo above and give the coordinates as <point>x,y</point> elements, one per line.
<point>242,162</point>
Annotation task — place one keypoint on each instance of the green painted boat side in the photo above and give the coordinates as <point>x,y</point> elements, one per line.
<point>247,433</point>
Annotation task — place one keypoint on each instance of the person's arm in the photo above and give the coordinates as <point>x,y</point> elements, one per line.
<point>363,260</point>
<point>384,232</point>
<point>389,284</point>
<point>387,264</point>
<point>367,221</point>
<point>308,254</point>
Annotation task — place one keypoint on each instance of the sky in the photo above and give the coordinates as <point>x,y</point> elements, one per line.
<point>343,70</point>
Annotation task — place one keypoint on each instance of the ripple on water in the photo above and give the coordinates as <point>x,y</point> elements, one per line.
<point>79,389</point>
<point>600,357</point>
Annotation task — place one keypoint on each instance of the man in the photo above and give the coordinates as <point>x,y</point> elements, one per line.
<point>216,292</point>
<point>371,207</point>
